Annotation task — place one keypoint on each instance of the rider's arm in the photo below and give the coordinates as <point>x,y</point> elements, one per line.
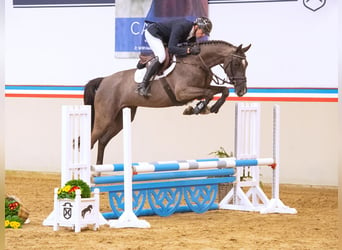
<point>179,35</point>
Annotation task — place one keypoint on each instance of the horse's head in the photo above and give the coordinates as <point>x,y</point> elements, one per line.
<point>235,67</point>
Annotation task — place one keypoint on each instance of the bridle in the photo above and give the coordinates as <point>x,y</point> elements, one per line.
<point>218,80</point>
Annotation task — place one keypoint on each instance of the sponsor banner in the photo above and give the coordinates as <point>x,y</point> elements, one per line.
<point>253,94</point>
<point>129,35</point>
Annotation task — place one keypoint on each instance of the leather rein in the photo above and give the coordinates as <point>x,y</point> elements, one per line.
<point>218,80</point>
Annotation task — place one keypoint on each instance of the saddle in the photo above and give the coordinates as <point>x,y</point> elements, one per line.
<point>164,70</point>
<point>144,58</point>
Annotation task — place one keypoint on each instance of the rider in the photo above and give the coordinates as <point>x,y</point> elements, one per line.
<point>172,33</point>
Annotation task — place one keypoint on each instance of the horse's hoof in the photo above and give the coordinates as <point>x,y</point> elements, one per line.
<point>214,109</point>
<point>205,111</point>
<point>188,111</point>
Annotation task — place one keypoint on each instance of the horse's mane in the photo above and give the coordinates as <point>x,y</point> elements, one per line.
<point>210,42</point>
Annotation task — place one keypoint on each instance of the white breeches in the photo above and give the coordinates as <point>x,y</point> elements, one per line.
<point>156,46</point>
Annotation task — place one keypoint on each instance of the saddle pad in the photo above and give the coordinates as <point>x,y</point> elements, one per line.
<point>140,73</point>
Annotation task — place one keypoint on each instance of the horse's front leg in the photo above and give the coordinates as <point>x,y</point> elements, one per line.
<point>202,107</point>
<point>217,105</point>
<point>192,93</point>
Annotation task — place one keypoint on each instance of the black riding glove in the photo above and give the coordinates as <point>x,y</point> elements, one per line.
<point>195,50</point>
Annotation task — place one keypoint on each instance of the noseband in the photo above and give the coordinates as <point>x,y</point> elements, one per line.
<point>234,78</point>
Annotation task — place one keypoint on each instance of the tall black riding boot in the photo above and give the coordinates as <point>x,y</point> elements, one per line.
<point>151,70</point>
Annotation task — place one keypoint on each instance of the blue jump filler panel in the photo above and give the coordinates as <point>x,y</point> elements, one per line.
<point>164,188</point>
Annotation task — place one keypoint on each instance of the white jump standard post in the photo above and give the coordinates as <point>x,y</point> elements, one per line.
<point>276,205</point>
<point>247,144</point>
<point>128,218</point>
<point>76,131</point>
<point>75,150</point>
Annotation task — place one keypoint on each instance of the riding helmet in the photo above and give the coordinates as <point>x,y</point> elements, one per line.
<point>204,24</point>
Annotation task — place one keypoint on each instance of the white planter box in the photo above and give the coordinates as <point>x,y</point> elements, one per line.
<point>76,213</point>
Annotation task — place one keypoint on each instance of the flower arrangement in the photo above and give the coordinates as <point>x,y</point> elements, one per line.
<point>69,190</point>
<point>15,213</point>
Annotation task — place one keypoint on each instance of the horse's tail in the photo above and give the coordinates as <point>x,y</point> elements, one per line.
<point>89,96</point>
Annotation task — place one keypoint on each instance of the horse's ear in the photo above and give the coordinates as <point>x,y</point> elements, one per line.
<point>246,48</point>
<point>239,48</point>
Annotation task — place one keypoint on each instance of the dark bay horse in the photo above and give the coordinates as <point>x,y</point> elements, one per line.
<point>189,80</point>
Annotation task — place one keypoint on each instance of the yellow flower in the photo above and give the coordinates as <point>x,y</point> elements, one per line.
<point>14,224</point>
<point>7,223</point>
<point>67,188</point>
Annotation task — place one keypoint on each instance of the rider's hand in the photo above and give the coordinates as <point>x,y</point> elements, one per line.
<point>195,50</point>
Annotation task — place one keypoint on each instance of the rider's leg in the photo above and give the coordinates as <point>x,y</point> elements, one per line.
<point>156,45</point>
<point>152,68</point>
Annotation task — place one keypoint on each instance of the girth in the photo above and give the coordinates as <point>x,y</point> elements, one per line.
<point>170,93</point>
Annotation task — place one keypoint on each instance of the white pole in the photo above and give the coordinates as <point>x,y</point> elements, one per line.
<point>128,218</point>
<point>66,150</point>
<point>127,144</point>
<point>276,205</point>
<point>276,153</point>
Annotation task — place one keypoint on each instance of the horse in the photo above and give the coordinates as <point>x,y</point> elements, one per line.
<point>190,80</point>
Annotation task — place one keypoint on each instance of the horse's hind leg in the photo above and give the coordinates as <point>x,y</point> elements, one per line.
<point>114,128</point>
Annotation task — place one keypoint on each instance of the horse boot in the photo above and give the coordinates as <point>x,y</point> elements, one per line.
<point>199,107</point>
<point>151,70</point>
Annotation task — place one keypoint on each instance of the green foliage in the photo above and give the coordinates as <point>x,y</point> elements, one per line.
<point>69,190</point>
<point>12,207</point>
<point>221,153</point>
<point>13,221</point>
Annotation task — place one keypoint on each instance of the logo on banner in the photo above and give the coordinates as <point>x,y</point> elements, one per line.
<point>314,4</point>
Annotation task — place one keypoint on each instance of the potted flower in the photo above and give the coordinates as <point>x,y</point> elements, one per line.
<point>15,213</point>
<point>74,206</point>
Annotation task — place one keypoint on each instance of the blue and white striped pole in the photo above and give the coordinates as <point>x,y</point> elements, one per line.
<point>211,163</point>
